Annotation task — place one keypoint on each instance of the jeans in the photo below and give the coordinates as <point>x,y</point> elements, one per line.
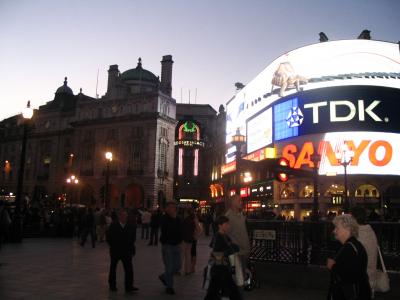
<point>171,255</point>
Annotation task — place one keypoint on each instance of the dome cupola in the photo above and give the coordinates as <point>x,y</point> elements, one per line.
<point>64,89</point>
<point>139,74</point>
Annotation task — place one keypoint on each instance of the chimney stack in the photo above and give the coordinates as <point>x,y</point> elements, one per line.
<point>166,75</point>
<point>113,73</point>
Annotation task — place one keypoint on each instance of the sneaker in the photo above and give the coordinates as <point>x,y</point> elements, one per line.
<point>170,291</point>
<point>161,277</point>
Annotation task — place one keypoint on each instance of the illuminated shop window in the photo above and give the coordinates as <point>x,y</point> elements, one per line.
<point>287,192</point>
<point>334,189</point>
<point>308,191</point>
<point>367,190</point>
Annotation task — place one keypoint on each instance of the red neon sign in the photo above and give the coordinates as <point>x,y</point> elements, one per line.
<point>244,192</point>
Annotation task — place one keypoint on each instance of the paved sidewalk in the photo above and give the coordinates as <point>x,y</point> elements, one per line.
<point>61,269</point>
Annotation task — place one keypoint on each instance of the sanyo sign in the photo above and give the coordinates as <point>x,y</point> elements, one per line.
<point>359,111</point>
<point>373,153</point>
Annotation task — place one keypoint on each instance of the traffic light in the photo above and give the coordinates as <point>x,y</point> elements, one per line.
<point>281,169</point>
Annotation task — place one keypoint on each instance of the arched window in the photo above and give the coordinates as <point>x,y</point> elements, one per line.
<point>307,191</point>
<point>334,189</point>
<point>162,159</point>
<point>287,192</point>
<point>367,190</point>
<point>189,142</point>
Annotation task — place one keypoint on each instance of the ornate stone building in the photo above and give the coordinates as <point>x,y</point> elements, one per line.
<point>135,120</point>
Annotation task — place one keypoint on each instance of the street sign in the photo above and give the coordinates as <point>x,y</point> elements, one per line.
<point>259,234</point>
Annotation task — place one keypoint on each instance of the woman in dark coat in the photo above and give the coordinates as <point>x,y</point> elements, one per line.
<point>349,279</point>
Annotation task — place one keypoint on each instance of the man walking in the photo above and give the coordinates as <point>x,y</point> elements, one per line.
<point>88,228</point>
<point>146,218</point>
<point>171,238</point>
<point>238,234</point>
<point>154,225</point>
<point>121,237</point>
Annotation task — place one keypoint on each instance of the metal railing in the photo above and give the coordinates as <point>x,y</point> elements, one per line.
<point>313,242</point>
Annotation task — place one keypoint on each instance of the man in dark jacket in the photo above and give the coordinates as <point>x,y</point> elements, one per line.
<point>88,227</point>
<point>154,225</point>
<point>121,237</point>
<point>171,238</point>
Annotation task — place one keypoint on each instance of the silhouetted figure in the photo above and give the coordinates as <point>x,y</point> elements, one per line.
<point>5,221</point>
<point>88,227</point>
<point>239,86</point>
<point>323,37</point>
<point>121,237</point>
<point>365,35</point>
<point>374,217</point>
<point>146,218</point>
<point>154,227</point>
<point>171,239</point>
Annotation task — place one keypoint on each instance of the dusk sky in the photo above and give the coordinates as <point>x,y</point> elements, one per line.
<point>213,43</point>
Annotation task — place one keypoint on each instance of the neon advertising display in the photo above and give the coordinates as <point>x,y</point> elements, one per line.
<point>336,86</point>
<point>373,153</point>
<point>188,143</point>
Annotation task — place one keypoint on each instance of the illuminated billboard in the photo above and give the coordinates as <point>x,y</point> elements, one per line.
<point>259,131</point>
<point>339,86</point>
<point>372,152</point>
<point>346,108</point>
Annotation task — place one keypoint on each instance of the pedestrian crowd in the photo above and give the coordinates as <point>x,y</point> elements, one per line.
<point>353,269</point>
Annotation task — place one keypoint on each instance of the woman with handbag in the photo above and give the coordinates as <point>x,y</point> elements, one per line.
<point>349,278</point>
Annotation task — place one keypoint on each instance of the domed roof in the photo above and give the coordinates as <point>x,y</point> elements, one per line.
<point>139,74</point>
<point>64,89</point>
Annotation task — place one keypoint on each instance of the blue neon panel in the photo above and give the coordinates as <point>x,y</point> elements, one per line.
<point>281,128</point>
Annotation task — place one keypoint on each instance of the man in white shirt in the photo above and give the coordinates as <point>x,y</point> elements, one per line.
<point>146,218</point>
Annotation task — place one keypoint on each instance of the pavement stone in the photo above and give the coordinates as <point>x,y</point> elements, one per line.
<point>45,268</point>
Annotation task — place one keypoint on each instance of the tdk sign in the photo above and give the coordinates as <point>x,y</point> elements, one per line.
<point>359,111</point>
<point>337,109</point>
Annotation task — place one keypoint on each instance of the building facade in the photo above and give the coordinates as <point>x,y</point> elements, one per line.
<point>199,135</point>
<point>135,120</point>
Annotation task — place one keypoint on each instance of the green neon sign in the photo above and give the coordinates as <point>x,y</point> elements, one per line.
<point>187,129</point>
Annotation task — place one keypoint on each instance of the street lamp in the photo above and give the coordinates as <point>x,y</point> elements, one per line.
<point>315,158</point>
<point>27,114</point>
<point>109,156</point>
<point>238,140</point>
<point>72,180</point>
<point>344,158</point>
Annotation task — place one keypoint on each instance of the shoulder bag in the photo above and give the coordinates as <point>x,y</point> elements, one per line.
<point>382,279</point>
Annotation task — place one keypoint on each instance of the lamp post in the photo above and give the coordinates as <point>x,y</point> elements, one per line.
<point>344,159</point>
<point>315,158</point>
<point>108,156</point>
<point>238,140</point>
<point>72,180</point>
<point>27,114</point>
